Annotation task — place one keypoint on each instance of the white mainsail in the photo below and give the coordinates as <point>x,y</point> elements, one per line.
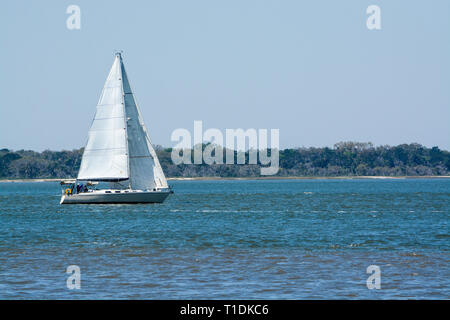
<point>105,154</point>
<point>119,147</point>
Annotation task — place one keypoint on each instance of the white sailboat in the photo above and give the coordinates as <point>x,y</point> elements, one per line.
<point>118,151</point>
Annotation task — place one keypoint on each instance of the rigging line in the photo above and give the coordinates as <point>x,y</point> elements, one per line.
<point>78,157</point>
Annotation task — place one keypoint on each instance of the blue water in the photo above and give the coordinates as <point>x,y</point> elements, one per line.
<point>260,239</point>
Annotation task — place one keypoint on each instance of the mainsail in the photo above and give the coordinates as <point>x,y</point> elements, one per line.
<point>119,147</point>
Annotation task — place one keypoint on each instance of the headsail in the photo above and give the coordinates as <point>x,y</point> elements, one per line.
<point>105,154</point>
<point>119,147</point>
<point>145,170</point>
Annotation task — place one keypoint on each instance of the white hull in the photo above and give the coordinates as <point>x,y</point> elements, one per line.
<point>113,196</point>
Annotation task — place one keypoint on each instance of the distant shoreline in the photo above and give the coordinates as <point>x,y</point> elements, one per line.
<point>255,178</point>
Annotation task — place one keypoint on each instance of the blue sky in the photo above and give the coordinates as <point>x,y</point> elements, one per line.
<point>309,68</point>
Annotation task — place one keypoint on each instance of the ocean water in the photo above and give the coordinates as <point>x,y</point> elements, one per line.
<point>247,239</point>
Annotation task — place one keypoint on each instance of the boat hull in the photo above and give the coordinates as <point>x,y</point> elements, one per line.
<point>105,198</point>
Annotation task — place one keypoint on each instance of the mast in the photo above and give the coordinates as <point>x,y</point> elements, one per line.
<point>125,121</point>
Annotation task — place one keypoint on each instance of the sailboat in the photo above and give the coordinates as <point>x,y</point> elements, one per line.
<point>118,151</point>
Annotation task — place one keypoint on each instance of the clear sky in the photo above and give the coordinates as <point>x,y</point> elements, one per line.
<point>309,68</point>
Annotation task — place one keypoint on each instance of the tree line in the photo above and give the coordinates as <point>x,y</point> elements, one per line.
<point>343,159</point>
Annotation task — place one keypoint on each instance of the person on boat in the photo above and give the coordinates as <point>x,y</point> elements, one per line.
<point>78,188</point>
